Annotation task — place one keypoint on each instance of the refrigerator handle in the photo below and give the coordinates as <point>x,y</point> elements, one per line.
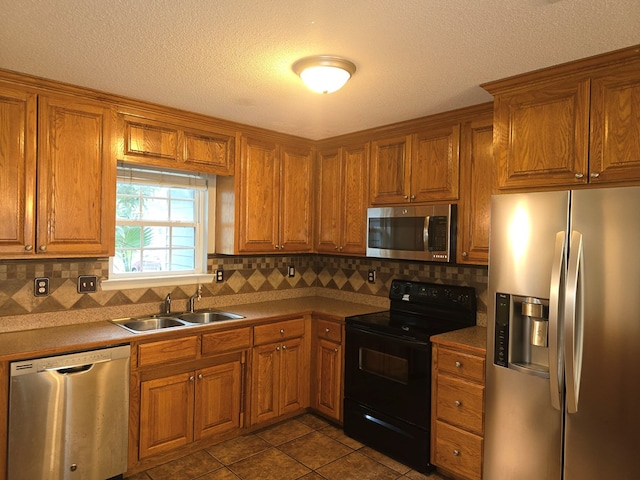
<point>555,333</point>
<point>573,320</point>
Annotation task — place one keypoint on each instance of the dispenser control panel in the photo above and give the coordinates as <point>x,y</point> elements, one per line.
<point>501,354</point>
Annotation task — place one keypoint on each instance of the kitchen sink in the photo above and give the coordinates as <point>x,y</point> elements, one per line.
<point>160,322</point>
<point>146,324</point>
<point>208,317</point>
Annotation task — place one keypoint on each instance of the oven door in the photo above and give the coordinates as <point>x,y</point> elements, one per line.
<point>389,374</point>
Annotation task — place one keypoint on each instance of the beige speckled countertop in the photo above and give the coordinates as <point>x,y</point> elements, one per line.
<point>82,336</point>
<point>471,338</point>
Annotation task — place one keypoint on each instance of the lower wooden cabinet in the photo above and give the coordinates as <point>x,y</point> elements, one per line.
<point>326,385</point>
<point>457,411</point>
<point>279,370</point>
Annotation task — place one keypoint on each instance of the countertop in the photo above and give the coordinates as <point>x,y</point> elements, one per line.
<point>59,339</point>
<point>471,338</point>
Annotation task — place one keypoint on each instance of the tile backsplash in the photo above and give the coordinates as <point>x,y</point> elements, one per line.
<point>242,275</point>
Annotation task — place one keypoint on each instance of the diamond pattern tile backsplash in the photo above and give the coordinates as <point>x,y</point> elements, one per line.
<point>242,275</point>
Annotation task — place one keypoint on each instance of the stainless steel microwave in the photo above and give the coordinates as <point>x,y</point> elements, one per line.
<point>425,232</point>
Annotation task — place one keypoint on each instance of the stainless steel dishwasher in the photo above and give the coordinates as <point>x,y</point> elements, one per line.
<point>69,416</point>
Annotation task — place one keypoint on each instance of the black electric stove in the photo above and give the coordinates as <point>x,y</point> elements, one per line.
<point>387,390</point>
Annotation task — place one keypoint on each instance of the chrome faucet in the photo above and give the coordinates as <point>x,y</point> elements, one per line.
<point>194,297</point>
<point>167,303</point>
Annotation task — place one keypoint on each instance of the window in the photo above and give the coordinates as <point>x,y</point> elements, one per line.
<point>160,228</point>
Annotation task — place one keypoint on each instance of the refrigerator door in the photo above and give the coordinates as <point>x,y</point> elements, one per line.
<point>523,431</point>
<point>603,436</point>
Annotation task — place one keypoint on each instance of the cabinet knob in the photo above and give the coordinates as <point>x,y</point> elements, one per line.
<point>28,248</point>
<point>191,378</point>
<point>406,196</point>
<point>456,453</point>
<point>277,247</point>
<point>457,403</point>
<point>199,376</point>
<point>458,364</point>
<point>595,175</point>
<point>278,348</point>
<point>413,197</point>
<point>284,347</point>
<point>42,248</point>
<point>282,331</point>
<point>340,248</point>
<point>579,175</point>
<point>465,254</point>
<point>335,350</point>
<point>337,247</point>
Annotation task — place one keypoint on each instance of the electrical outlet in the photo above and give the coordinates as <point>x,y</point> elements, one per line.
<point>219,275</point>
<point>87,284</point>
<point>371,276</point>
<point>291,271</point>
<point>41,287</point>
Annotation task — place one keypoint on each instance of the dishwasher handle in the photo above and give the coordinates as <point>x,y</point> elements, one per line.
<point>71,370</point>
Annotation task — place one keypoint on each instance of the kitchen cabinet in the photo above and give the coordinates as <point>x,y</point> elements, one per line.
<point>159,139</point>
<point>199,379</point>
<point>267,208</point>
<point>341,213</point>
<point>420,167</point>
<point>476,187</point>
<point>574,124</point>
<point>58,174</point>
<point>279,370</point>
<point>328,361</point>
<point>457,411</point>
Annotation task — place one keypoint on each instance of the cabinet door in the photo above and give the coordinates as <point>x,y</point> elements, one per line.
<point>296,200</point>
<point>265,383</point>
<point>542,135</point>
<point>329,207</point>
<point>207,151</point>
<point>390,170</point>
<point>166,414</point>
<point>476,185</point>
<point>615,116</point>
<point>259,184</point>
<point>18,164</point>
<point>294,381</point>
<point>218,397</point>
<point>328,378</point>
<point>355,167</point>
<point>435,160</point>
<point>76,177</point>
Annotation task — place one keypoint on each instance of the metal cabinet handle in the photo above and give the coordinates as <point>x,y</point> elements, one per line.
<point>326,330</point>
<point>458,364</point>
<point>457,403</point>
<point>191,378</point>
<point>200,376</point>
<point>456,453</point>
<point>43,248</point>
<point>282,331</point>
<point>465,254</point>
<point>335,350</point>
<point>284,347</point>
<point>277,247</point>
<point>278,348</point>
<point>594,175</point>
<point>405,196</point>
<point>579,175</point>
<point>413,197</point>
<point>28,248</point>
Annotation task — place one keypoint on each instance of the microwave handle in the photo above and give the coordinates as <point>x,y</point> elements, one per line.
<point>425,232</point>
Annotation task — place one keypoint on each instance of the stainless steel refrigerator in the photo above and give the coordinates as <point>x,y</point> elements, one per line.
<point>563,356</point>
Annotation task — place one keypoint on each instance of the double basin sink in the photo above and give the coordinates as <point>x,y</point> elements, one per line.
<point>160,322</point>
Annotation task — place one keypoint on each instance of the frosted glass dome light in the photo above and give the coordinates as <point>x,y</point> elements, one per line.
<point>324,74</point>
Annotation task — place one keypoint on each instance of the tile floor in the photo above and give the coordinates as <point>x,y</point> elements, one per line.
<point>306,447</point>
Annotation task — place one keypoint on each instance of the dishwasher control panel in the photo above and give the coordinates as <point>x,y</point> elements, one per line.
<point>69,360</point>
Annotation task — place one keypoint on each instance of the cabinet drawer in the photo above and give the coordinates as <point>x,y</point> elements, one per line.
<point>464,365</point>
<point>460,403</point>
<point>458,451</point>
<point>229,340</point>
<point>274,332</point>
<point>185,348</point>
<point>329,330</point>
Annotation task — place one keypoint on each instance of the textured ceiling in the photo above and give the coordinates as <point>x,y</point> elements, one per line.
<point>232,59</point>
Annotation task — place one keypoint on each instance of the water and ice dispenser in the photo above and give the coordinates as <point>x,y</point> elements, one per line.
<point>522,334</point>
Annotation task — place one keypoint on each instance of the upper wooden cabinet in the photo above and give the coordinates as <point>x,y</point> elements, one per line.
<point>574,124</point>
<point>421,167</point>
<point>341,210</point>
<point>61,201</point>
<point>476,187</point>
<point>163,140</point>
<point>267,207</point>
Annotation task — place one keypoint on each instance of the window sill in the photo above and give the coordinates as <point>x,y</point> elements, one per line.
<point>148,282</point>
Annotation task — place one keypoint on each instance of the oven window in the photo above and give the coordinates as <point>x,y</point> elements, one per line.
<point>385,365</point>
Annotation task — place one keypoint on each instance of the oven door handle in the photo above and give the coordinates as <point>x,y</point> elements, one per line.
<point>395,338</point>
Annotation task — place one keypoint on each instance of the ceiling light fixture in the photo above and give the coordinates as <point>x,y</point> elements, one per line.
<point>323,73</point>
